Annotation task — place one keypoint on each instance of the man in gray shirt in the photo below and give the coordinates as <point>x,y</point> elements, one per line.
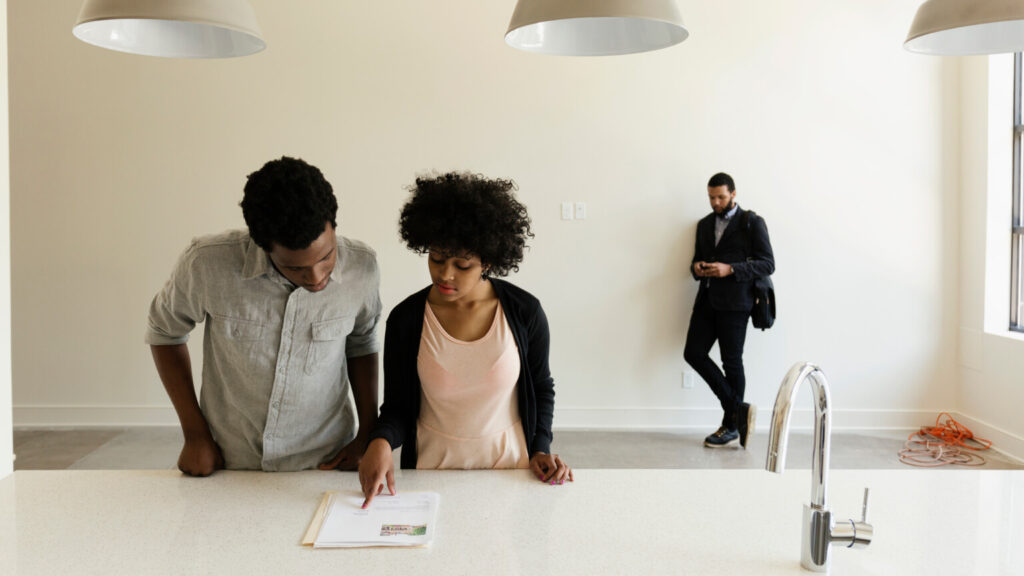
<point>291,312</point>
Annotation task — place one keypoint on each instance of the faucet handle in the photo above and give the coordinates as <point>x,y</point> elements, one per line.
<point>851,533</point>
<point>864,509</point>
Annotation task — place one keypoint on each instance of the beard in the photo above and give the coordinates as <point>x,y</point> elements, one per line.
<point>724,211</point>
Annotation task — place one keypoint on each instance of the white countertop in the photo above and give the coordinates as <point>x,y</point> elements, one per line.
<point>721,522</point>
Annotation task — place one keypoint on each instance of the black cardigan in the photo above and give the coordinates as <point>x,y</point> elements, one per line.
<point>535,387</point>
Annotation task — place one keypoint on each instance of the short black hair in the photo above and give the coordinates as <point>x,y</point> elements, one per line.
<point>288,202</point>
<point>461,213</point>
<point>722,179</point>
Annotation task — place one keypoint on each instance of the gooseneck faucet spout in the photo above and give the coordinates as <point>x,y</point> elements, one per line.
<point>778,438</point>
<point>820,531</point>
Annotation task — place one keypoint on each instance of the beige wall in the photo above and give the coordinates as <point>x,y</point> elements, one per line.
<point>6,442</point>
<point>991,359</point>
<point>844,142</point>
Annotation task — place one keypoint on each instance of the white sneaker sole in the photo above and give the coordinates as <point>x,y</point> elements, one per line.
<point>734,442</point>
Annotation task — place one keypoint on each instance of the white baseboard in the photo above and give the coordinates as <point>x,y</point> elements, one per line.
<point>1006,443</point>
<point>701,419</point>
<point>639,418</point>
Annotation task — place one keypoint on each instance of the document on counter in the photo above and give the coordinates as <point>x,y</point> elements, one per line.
<point>405,519</point>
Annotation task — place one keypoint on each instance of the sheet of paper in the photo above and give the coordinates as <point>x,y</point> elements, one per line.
<point>406,519</point>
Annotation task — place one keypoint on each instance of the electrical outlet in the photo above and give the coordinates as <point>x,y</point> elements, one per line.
<point>581,210</point>
<point>566,210</point>
<point>688,377</point>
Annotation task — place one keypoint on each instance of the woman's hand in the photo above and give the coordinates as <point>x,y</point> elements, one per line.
<point>376,469</point>
<point>550,468</point>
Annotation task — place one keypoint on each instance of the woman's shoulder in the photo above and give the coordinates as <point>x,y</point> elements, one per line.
<point>412,306</point>
<point>510,294</point>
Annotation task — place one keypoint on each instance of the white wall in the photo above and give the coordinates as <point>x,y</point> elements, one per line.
<point>844,142</point>
<point>6,440</point>
<point>991,360</point>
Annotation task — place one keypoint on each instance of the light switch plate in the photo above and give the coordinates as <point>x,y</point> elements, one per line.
<point>688,378</point>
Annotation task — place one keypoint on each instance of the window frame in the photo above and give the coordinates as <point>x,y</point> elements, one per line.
<point>1017,223</point>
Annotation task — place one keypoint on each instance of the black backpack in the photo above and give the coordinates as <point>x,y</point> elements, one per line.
<point>763,314</point>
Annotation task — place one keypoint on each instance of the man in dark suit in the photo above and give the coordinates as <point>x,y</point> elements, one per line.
<point>732,250</point>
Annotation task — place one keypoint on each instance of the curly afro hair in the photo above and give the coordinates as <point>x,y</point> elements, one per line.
<point>288,202</point>
<point>462,213</point>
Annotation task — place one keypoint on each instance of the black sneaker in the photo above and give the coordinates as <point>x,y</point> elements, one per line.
<point>745,422</point>
<point>721,438</point>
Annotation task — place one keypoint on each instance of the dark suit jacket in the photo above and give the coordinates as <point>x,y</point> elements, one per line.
<point>747,249</point>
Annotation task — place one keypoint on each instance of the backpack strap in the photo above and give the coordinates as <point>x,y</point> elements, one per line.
<point>748,215</point>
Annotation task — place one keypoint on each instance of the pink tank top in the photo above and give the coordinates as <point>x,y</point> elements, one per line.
<point>469,411</point>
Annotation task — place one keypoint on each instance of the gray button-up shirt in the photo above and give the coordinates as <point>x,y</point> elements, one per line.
<point>722,222</point>
<point>275,387</point>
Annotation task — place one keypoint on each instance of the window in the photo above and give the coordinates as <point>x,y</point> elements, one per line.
<point>1017,251</point>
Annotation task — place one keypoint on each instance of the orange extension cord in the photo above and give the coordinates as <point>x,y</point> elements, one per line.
<point>948,442</point>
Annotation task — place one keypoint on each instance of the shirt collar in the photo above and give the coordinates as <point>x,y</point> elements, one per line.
<point>257,263</point>
<point>728,215</point>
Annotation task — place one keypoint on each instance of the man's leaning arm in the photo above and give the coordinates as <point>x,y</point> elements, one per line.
<point>200,455</point>
<point>362,375</point>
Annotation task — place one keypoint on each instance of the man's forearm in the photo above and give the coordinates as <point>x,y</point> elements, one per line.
<point>362,374</point>
<point>174,365</point>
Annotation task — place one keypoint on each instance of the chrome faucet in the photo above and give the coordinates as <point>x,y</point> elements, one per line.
<point>820,531</point>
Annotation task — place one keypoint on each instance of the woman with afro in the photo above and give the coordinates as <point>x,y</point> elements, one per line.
<point>466,378</point>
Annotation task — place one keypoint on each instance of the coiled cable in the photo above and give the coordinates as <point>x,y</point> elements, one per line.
<point>948,442</point>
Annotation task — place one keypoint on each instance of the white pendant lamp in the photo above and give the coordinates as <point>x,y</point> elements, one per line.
<point>595,27</point>
<point>967,27</point>
<point>171,28</point>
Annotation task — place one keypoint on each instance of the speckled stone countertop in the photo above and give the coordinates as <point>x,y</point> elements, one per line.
<point>721,522</point>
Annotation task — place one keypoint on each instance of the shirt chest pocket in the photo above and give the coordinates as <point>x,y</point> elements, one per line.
<point>327,344</point>
<point>238,340</point>
<point>241,330</point>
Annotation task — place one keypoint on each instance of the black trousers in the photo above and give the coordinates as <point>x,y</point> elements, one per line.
<point>729,328</point>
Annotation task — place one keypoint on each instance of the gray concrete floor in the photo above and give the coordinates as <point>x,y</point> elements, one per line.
<point>158,447</point>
